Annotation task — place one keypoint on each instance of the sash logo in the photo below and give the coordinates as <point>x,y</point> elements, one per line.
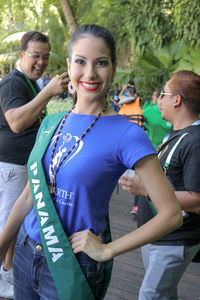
<point>49,235</point>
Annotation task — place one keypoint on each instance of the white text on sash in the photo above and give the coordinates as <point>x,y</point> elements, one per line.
<point>48,231</point>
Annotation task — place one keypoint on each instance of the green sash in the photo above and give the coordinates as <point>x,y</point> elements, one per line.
<point>67,274</point>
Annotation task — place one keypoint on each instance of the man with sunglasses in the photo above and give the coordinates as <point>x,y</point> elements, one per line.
<point>166,259</point>
<point>21,107</point>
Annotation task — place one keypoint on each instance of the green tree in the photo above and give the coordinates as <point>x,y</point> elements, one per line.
<point>154,68</point>
<point>139,27</point>
<point>186,21</point>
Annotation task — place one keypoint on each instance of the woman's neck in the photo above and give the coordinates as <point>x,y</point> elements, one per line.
<point>88,109</point>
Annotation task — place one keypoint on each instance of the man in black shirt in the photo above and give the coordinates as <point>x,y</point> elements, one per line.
<point>21,106</point>
<point>166,259</point>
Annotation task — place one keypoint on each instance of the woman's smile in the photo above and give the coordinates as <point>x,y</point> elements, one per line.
<point>89,86</point>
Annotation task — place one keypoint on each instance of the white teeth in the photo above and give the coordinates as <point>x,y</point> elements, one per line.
<point>90,85</point>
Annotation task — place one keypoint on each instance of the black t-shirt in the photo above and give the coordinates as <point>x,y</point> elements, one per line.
<point>15,92</point>
<point>184,174</point>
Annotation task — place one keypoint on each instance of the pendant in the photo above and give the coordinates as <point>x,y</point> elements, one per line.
<point>52,178</point>
<point>52,188</point>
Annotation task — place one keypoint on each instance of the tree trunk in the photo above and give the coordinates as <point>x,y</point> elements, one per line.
<point>71,21</point>
<point>11,60</point>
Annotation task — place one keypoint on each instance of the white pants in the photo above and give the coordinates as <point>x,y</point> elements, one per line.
<point>13,179</point>
<point>164,267</point>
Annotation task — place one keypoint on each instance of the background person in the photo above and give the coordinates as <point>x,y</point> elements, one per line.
<point>46,79</point>
<point>114,97</point>
<point>157,127</point>
<point>166,259</point>
<point>40,83</point>
<point>21,105</point>
<point>67,150</point>
<point>124,90</point>
<point>130,106</point>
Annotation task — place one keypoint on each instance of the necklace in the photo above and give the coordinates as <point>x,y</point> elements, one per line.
<point>52,187</point>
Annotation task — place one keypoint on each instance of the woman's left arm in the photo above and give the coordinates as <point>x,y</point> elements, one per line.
<point>168,218</point>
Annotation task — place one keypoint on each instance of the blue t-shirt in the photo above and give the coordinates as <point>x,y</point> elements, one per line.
<point>87,177</point>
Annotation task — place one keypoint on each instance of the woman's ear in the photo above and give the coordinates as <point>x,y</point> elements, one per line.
<point>114,71</point>
<point>68,67</point>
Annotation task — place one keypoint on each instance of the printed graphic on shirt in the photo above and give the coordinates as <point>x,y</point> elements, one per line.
<point>65,143</point>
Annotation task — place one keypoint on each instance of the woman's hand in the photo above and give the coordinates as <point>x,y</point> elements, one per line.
<point>91,244</point>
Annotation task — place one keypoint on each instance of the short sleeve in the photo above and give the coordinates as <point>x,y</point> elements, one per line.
<point>134,145</point>
<point>13,94</point>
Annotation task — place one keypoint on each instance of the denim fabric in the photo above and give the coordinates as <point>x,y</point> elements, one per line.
<point>32,278</point>
<point>164,267</point>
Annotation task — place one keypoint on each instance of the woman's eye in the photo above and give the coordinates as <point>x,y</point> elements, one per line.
<point>80,61</point>
<point>102,63</point>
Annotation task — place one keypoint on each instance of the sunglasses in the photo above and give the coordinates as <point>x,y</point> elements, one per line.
<point>163,93</point>
<point>37,57</point>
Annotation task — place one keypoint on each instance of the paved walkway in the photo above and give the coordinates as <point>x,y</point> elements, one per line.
<point>128,269</point>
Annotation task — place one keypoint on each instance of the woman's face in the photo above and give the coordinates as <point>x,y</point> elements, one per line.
<point>90,69</point>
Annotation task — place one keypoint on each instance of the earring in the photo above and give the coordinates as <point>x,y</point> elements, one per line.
<point>71,88</point>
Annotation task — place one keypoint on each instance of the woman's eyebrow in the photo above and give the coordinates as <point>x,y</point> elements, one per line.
<point>79,55</point>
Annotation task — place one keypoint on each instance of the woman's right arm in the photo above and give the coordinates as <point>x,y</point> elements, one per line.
<point>21,208</point>
<point>167,219</point>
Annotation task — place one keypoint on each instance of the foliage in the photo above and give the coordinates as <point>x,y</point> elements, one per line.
<point>148,25</point>
<point>154,68</point>
<point>43,17</point>
<point>59,37</point>
<point>186,21</point>
<point>57,105</point>
<point>144,30</point>
<point>191,61</point>
<point>124,75</point>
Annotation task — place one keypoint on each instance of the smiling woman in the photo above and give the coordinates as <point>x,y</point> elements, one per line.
<point>91,70</point>
<point>72,180</point>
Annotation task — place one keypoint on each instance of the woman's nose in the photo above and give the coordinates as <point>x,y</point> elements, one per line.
<point>90,71</point>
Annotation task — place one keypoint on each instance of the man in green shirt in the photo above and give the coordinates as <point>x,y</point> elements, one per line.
<point>156,126</point>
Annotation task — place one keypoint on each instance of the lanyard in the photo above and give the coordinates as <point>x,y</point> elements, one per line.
<point>167,162</point>
<point>44,112</point>
<point>32,86</point>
